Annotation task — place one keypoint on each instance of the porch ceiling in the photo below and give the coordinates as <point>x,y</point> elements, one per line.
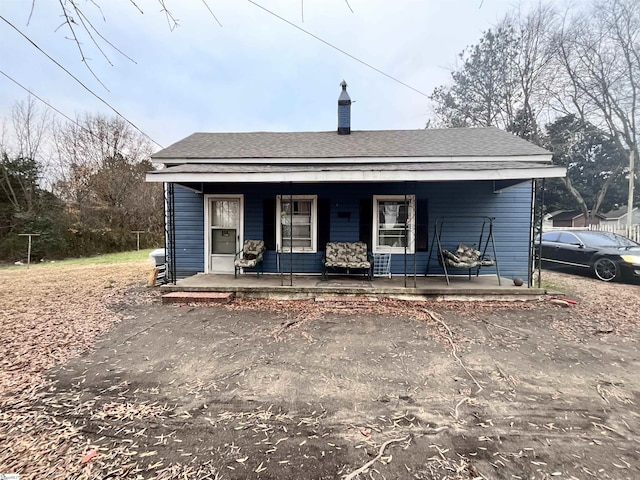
<point>362,172</point>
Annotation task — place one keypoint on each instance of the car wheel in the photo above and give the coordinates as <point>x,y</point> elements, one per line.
<point>605,269</point>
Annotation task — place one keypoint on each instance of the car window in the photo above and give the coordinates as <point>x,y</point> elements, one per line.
<point>550,237</point>
<point>569,238</point>
<point>606,239</point>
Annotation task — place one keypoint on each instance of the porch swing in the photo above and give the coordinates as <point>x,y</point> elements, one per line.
<point>464,256</point>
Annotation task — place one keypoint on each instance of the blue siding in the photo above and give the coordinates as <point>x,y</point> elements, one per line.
<point>511,208</point>
<point>189,231</point>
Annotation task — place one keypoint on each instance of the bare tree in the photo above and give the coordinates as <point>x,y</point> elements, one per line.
<point>102,164</point>
<point>503,79</point>
<point>25,206</point>
<point>31,125</point>
<point>532,66</point>
<point>84,145</point>
<point>599,52</point>
<point>22,167</point>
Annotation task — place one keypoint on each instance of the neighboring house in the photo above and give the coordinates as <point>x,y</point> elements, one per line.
<point>299,190</point>
<point>618,217</point>
<point>572,219</point>
<point>547,219</point>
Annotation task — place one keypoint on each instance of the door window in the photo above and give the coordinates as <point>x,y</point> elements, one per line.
<point>225,215</point>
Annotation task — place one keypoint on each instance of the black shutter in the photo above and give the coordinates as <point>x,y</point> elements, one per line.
<point>324,222</point>
<point>268,223</point>
<point>366,219</point>
<point>422,225</point>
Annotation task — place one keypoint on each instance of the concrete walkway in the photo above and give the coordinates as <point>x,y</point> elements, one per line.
<point>312,286</point>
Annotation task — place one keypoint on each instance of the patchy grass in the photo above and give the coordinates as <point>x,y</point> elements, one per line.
<point>552,282</point>
<point>104,259</point>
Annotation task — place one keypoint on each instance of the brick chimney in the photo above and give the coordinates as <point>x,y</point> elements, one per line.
<point>344,111</point>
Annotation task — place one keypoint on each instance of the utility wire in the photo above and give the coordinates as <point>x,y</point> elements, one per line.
<point>43,101</point>
<point>340,50</point>
<point>78,81</point>
<point>211,12</point>
<point>75,122</point>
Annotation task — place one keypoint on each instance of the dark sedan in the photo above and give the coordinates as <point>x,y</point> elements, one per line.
<point>608,255</point>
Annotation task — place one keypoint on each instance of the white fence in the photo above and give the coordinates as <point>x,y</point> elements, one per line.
<point>633,233</point>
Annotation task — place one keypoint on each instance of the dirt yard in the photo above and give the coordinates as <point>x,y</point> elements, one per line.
<point>100,381</point>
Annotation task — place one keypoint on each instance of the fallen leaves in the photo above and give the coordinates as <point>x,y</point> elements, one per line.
<point>90,454</point>
<point>49,314</point>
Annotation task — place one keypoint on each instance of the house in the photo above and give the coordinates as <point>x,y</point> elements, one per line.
<point>572,219</point>
<point>547,219</point>
<point>299,190</point>
<point>618,217</point>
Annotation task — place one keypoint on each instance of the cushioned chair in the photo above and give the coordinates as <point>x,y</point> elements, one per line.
<point>464,257</point>
<point>347,255</point>
<point>250,256</point>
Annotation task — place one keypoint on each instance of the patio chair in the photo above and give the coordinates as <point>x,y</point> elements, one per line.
<point>250,256</point>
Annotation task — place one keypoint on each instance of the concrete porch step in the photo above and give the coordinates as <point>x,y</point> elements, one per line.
<point>197,297</point>
<point>346,299</point>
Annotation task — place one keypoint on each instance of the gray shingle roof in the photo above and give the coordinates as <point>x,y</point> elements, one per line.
<point>617,213</point>
<point>453,142</point>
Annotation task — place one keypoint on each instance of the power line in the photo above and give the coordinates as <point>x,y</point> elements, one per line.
<point>75,122</point>
<point>340,50</point>
<point>42,100</point>
<point>78,81</point>
<point>211,12</point>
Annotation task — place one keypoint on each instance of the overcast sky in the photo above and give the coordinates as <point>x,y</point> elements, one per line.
<point>256,72</point>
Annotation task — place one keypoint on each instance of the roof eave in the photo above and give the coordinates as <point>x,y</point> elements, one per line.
<point>543,158</point>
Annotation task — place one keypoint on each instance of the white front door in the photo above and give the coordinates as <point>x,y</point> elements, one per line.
<point>224,222</point>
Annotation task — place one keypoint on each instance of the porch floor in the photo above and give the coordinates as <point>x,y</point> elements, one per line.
<point>312,286</point>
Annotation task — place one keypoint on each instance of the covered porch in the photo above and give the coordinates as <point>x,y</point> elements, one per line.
<point>391,190</point>
<point>481,288</point>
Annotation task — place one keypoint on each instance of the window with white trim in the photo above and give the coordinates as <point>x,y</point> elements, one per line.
<point>296,220</point>
<point>393,223</point>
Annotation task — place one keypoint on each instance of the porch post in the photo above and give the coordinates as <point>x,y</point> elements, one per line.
<point>291,235</point>
<point>406,219</point>
<point>537,208</point>
<point>414,223</point>
<point>169,233</point>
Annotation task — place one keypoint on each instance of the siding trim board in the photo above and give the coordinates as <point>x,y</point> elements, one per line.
<point>347,174</point>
